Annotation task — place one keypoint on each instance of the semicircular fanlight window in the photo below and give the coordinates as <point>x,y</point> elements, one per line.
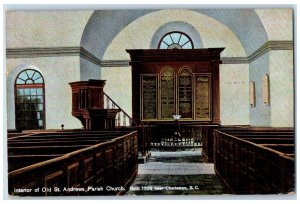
<point>176,40</point>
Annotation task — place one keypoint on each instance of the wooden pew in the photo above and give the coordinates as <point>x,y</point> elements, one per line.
<point>254,161</point>
<point>36,150</point>
<point>67,136</point>
<point>20,161</point>
<point>111,162</point>
<point>55,142</point>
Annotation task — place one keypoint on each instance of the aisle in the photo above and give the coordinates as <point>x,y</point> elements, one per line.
<point>176,173</point>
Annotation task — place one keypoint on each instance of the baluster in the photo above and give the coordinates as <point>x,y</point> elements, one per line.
<point>119,119</point>
<point>124,119</point>
<point>190,135</point>
<point>107,103</point>
<point>161,135</point>
<point>196,135</point>
<point>200,136</point>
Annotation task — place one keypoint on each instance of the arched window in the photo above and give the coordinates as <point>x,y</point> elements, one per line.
<point>30,100</point>
<point>176,40</point>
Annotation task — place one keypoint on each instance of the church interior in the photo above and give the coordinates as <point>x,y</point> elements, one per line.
<point>150,102</point>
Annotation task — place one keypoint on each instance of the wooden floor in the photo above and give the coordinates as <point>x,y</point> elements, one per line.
<point>176,173</point>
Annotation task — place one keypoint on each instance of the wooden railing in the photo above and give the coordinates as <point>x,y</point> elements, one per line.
<point>255,161</point>
<point>122,118</point>
<point>106,164</point>
<point>168,135</point>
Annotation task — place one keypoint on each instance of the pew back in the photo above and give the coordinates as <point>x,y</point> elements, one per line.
<point>72,162</point>
<point>254,161</point>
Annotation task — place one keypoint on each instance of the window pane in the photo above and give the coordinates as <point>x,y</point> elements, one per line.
<point>27,92</point>
<point>168,40</point>
<point>39,91</point>
<point>34,99</point>
<point>19,81</point>
<point>39,81</point>
<point>183,40</point>
<point>20,92</point>
<point>187,46</point>
<point>40,99</point>
<point>29,81</point>
<point>21,107</point>
<point>40,123</point>
<point>36,108</point>
<point>38,115</point>
<point>40,106</point>
<point>175,37</point>
<point>26,99</point>
<point>31,107</point>
<point>33,92</point>
<point>30,73</point>
<point>36,75</point>
<point>23,76</point>
<point>25,107</point>
<point>163,46</point>
<point>20,99</point>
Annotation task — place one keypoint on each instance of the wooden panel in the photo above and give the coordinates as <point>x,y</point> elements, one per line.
<point>75,102</point>
<point>203,68</point>
<point>149,97</point>
<point>155,62</point>
<point>53,180</point>
<point>73,177</point>
<point>185,95</point>
<point>96,98</point>
<point>109,156</point>
<point>167,94</point>
<point>250,168</point>
<point>99,166</point>
<point>88,170</point>
<point>202,97</point>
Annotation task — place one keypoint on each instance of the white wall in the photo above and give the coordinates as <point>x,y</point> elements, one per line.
<point>118,86</point>
<point>89,70</point>
<point>281,88</point>
<point>57,73</point>
<point>234,94</point>
<point>139,33</point>
<point>45,28</point>
<point>278,64</point>
<point>278,23</point>
<point>260,114</point>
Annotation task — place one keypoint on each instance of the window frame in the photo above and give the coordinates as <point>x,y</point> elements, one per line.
<point>29,86</point>
<point>169,33</point>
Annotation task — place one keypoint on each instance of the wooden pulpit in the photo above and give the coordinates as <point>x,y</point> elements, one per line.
<point>88,105</point>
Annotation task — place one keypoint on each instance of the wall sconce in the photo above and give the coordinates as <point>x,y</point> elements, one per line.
<point>252,94</point>
<point>266,90</point>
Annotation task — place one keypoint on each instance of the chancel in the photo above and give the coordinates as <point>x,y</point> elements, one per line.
<point>150,102</point>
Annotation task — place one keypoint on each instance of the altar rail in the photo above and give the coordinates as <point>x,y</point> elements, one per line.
<point>169,136</point>
<point>255,160</point>
<point>72,163</point>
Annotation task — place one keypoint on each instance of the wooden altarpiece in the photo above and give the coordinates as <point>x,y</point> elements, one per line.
<point>176,82</point>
